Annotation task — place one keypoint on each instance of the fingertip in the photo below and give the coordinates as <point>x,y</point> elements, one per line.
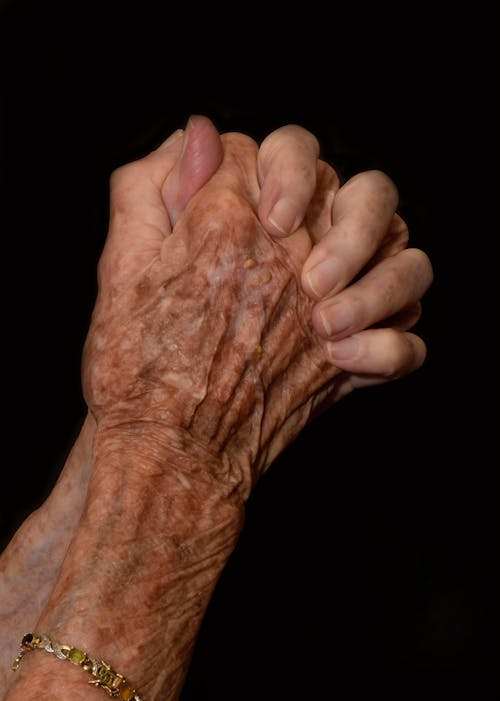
<point>200,156</point>
<point>384,353</point>
<point>287,172</point>
<point>201,146</point>
<point>420,350</point>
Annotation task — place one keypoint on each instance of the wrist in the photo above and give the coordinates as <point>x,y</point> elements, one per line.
<point>140,570</point>
<point>42,676</point>
<point>170,452</point>
<point>101,672</point>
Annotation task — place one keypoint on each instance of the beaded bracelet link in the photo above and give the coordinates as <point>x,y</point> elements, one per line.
<point>114,684</point>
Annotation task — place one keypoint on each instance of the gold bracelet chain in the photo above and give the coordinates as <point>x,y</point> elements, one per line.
<point>114,684</point>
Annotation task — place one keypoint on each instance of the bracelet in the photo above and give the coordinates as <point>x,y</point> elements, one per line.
<point>114,684</point>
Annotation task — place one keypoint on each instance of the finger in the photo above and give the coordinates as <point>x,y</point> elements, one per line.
<point>287,165</point>
<point>177,170</point>
<point>135,189</point>
<point>395,240</point>
<point>405,319</point>
<point>362,214</point>
<point>138,220</point>
<point>318,218</point>
<point>394,284</point>
<point>377,355</point>
<point>201,155</point>
<point>143,191</point>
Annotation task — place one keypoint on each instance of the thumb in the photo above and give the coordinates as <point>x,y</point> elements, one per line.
<point>200,157</point>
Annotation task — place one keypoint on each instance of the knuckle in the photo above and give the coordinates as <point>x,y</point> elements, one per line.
<point>410,316</point>
<point>125,175</point>
<point>301,135</point>
<point>123,180</point>
<point>406,278</point>
<point>289,142</point>
<point>117,176</point>
<point>395,279</point>
<point>372,196</point>
<point>404,353</point>
<point>422,266</point>
<point>399,232</point>
<point>384,188</point>
<point>375,180</point>
<point>398,354</point>
<point>359,312</point>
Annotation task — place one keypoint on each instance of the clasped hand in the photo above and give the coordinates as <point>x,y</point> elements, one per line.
<point>241,291</point>
<point>227,313</point>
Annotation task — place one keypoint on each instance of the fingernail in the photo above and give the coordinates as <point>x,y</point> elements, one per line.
<point>345,349</point>
<point>193,121</point>
<point>336,318</point>
<point>284,216</point>
<point>190,125</point>
<point>323,277</point>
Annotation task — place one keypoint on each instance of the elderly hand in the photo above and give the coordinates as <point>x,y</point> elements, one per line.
<point>366,282</point>
<point>204,358</point>
<point>202,332</point>
<point>201,338</point>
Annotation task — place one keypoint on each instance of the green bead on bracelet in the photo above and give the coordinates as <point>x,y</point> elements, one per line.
<point>113,683</point>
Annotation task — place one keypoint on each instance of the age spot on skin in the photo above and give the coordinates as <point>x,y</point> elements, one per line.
<point>265,277</point>
<point>143,288</point>
<point>257,353</point>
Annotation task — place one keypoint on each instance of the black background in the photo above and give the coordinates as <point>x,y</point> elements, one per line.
<point>368,567</point>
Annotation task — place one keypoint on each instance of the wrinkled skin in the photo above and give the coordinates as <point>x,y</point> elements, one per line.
<point>211,341</point>
<point>203,360</point>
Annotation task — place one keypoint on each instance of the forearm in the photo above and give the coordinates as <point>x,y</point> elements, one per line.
<point>30,564</point>
<point>138,575</point>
